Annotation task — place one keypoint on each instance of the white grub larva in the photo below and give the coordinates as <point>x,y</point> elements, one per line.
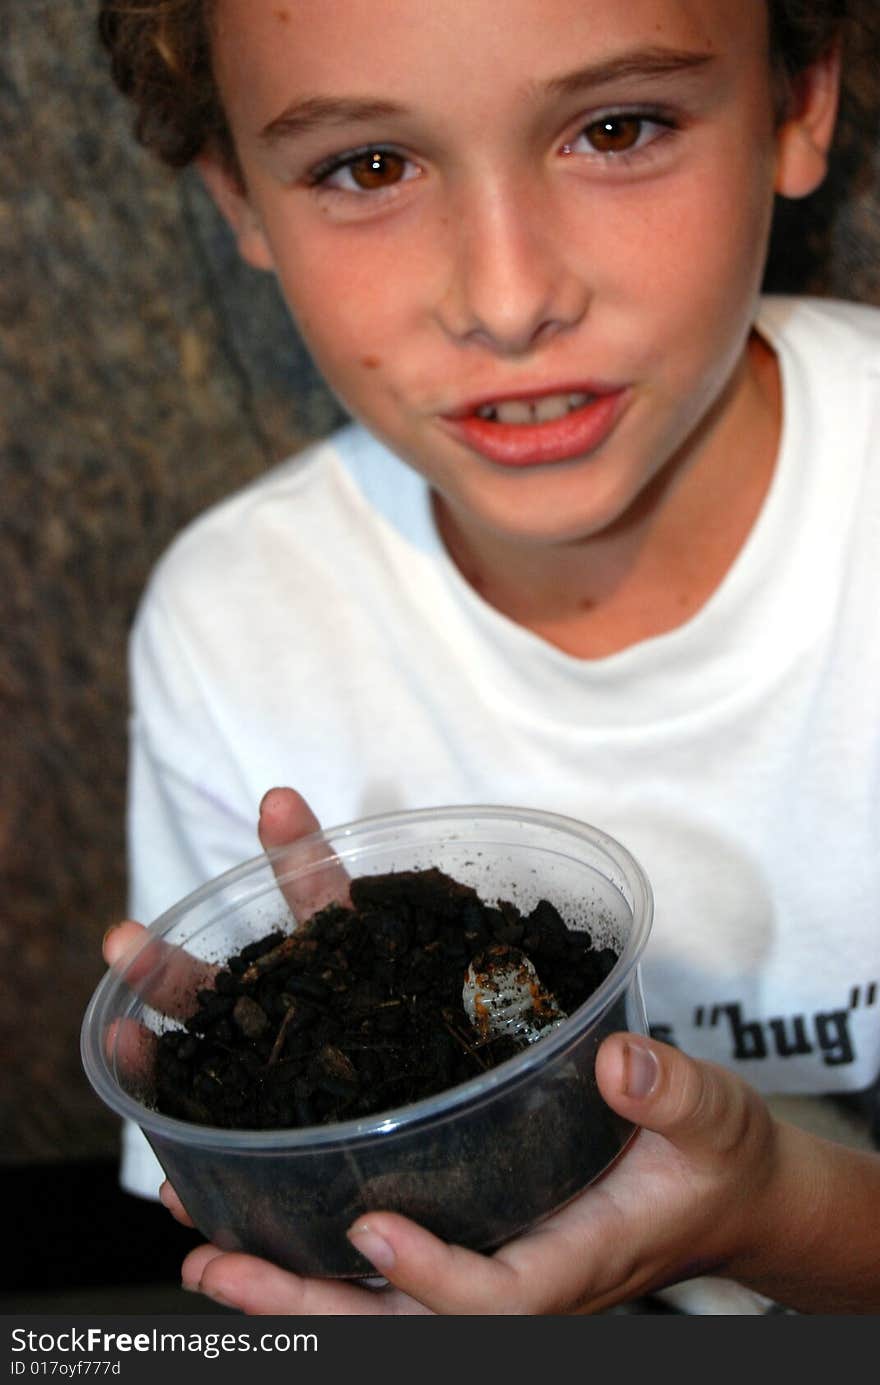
<point>503,996</point>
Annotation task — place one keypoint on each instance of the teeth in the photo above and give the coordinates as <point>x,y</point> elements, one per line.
<point>544,410</point>
<point>514,411</point>
<point>550,407</point>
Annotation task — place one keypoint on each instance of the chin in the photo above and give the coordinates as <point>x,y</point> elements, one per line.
<point>541,525</point>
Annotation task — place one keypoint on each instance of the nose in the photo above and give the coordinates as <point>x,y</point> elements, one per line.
<point>512,279</point>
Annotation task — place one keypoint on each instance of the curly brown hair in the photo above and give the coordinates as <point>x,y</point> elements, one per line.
<point>160,54</point>
<point>161,60</point>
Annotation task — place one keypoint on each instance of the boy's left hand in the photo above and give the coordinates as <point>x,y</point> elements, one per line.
<point>695,1192</point>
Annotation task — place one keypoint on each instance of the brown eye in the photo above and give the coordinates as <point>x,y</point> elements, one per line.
<point>378,169</point>
<point>615,134</point>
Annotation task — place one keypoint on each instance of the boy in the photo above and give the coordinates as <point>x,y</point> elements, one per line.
<point>607,548</point>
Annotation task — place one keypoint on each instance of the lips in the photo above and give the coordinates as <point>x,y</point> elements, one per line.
<point>536,429</point>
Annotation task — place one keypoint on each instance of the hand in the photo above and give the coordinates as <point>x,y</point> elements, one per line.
<point>711,1183</point>
<point>693,1192</point>
<point>669,1208</point>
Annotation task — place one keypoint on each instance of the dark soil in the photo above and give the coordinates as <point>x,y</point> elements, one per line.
<point>360,1010</point>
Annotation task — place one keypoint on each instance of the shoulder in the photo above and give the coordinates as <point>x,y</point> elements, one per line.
<point>825,332</point>
<point>316,521</point>
<point>304,503</point>
<point>307,479</point>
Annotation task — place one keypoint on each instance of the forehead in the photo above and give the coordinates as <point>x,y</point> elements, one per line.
<point>422,52</point>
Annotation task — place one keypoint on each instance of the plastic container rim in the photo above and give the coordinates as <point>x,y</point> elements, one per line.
<point>441,1106</point>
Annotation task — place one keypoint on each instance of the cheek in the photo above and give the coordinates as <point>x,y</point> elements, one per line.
<point>344,305</point>
<point>699,290</point>
<point>711,245</point>
<point>352,285</point>
<point>352,323</point>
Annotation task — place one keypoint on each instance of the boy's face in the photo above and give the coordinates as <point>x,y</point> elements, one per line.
<point>523,240</point>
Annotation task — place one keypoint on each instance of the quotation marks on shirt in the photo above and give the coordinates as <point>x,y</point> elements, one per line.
<point>855,995</point>
<point>827,1032</point>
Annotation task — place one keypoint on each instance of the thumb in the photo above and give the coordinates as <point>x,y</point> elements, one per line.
<point>700,1107</point>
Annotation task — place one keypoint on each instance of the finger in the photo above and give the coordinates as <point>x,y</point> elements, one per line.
<point>254,1286</point>
<point>131,1049</point>
<point>169,1199</point>
<point>121,942</point>
<point>443,1278</point>
<point>701,1108</point>
<point>284,817</point>
<point>307,880</point>
<point>167,977</point>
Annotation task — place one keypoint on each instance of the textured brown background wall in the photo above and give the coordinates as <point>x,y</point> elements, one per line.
<point>144,372</point>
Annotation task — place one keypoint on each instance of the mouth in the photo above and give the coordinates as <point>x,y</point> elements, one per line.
<point>534,430</point>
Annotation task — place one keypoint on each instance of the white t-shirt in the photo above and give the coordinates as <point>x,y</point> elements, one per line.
<point>311,630</point>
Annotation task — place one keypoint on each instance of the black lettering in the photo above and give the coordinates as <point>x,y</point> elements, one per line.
<point>748,1037</point>
<point>785,1047</point>
<point>832,1032</point>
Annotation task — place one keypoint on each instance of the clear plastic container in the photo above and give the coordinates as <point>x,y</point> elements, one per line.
<point>478,1163</point>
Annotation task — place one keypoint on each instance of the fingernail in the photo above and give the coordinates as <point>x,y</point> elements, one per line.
<point>640,1071</point>
<point>216,1297</point>
<point>112,929</point>
<point>373,1247</point>
<point>212,1294</point>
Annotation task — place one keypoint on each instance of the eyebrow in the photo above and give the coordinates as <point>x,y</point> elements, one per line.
<point>316,112</point>
<point>639,63</point>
